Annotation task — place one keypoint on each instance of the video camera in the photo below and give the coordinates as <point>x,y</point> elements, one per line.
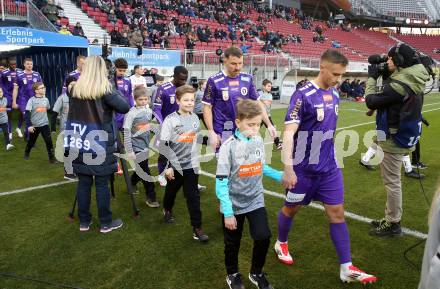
<point>379,60</point>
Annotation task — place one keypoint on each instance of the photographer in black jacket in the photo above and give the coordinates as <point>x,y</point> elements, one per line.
<point>398,122</point>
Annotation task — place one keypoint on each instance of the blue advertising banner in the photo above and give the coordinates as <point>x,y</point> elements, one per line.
<point>163,60</point>
<point>34,37</point>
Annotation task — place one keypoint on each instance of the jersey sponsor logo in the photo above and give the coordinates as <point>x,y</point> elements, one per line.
<point>318,105</point>
<point>294,114</point>
<point>245,78</point>
<point>225,94</point>
<point>294,198</point>
<point>143,127</point>
<point>244,91</point>
<point>172,99</point>
<point>187,137</point>
<point>250,170</point>
<point>320,114</point>
<point>40,109</point>
<point>234,83</point>
<point>327,97</point>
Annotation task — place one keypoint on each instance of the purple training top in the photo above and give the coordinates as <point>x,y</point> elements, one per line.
<point>223,92</point>
<point>75,74</point>
<point>165,102</point>
<point>123,85</point>
<point>8,78</point>
<point>316,112</point>
<point>25,82</point>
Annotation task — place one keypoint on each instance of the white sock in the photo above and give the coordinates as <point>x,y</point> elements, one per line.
<point>368,155</point>
<point>407,163</point>
<point>345,266</point>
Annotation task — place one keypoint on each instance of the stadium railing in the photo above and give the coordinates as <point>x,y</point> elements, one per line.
<point>12,10</point>
<point>37,19</point>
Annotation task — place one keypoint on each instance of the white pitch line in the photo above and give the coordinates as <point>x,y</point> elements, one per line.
<point>350,215</point>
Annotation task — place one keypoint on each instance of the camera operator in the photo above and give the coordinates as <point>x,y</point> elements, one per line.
<point>90,139</point>
<point>398,121</point>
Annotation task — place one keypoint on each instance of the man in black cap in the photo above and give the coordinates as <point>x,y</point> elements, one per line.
<point>398,123</point>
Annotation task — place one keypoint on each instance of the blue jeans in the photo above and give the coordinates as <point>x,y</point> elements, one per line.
<point>83,191</point>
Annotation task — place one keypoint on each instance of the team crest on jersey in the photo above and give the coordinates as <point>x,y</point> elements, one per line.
<point>195,125</point>
<point>172,99</point>
<point>25,81</point>
<point>244,91</point>
<point>9,78</point>
<point>320,114</point>
<point>258,153</point>
<point>225,94</point>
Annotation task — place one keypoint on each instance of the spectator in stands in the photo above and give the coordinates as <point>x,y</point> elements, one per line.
<point>104,5</point>
<point>64,30</point>
<point>146,39</point>
<point>244,48</point>
<point>78,31</point>
<point>345,87</point>
<point>336,44</point>
<point>112,17</point>
<point>115,37</point>
<point>124,41</point>
<point>136,39</point>
<point>172,29</point>
<point>58,24</point>
<point>120,14</point>
<point>93,3</point>
<point>50,11</point>
<point>190,44</point>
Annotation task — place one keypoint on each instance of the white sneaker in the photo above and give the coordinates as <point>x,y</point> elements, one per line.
<point>9,147</point>
<point>354,274</point>
<point>162,180</point>
<point>19,133</point>
<point>201,188</point>
<point>282,251</point>
<point>10,136</point>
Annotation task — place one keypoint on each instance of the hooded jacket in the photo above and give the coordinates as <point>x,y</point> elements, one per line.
<point>391,101</point>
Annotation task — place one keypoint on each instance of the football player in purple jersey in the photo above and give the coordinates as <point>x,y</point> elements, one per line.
<point>310,168</point>
<point>222,92</point>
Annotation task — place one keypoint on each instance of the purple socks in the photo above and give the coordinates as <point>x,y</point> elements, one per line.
<point>341,241</point>
<point>284,225</point>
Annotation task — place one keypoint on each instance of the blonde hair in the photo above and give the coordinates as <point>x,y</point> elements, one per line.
<point>93,82</point>
<point>435,203</point>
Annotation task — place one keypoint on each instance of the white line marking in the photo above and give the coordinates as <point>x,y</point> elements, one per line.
<point>350,215</point>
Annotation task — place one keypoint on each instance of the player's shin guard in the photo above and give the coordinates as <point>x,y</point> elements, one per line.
<point>341,241</point>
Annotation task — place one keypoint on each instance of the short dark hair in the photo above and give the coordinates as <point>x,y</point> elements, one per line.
<point>233,51</point>
<point>180,91</point>
<point>121,63</point>
<point>180,70</point>
<point>27,59</point>
<point>266,82</point>
<point>137,66</point>
<point>247,108</point>
<point>334,56</point>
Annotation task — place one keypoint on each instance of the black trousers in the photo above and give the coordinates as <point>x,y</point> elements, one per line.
<point>45,132</point>
<point>149,186</point>
<point>188,181</point>
<point>416,154</point>
<point>4,127</point>
<point>277,139</point>
<point>260,233</point>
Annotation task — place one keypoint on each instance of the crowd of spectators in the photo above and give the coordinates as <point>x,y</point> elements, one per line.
<point>354,89</point>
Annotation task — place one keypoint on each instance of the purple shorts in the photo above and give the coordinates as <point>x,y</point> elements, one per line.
<point>327,188</point>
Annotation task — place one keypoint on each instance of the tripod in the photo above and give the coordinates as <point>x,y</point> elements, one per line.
<point>127,180</point>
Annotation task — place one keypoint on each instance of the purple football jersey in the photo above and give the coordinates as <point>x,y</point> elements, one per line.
<point>123,85</point>
<point>165,102</point>
<point>75,74</point>
<point>25,82</point>
<point>9,77</point>
<point>223,92</point>
<point>315,110</point>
